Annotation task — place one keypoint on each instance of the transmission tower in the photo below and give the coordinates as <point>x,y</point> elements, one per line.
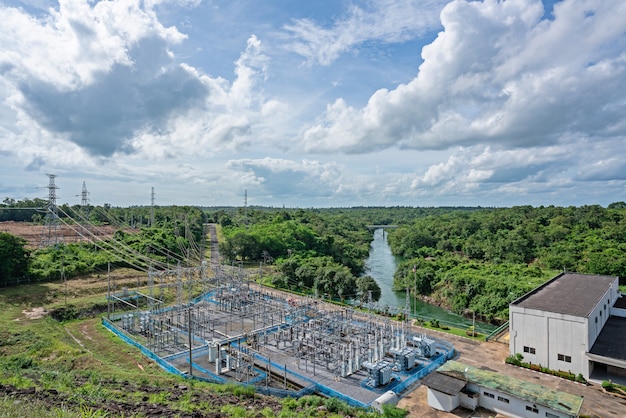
<point>50,234</point>
<point>84,205</point>
<point>152,208</point>
<point>245,208</point>
<point>84,202</point>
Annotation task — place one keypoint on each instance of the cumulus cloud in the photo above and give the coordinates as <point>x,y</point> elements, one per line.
<point>103,77</point>
<point>95,75</point>
<point>500,74</point>
<point>229,118</point>
<point>280,177</point>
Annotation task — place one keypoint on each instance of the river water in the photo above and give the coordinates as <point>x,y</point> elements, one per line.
<point>381,266</point>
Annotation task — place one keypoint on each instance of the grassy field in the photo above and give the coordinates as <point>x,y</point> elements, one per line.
<point>77,368</point>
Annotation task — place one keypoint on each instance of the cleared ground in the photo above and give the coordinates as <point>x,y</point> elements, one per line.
<point>33,234</point>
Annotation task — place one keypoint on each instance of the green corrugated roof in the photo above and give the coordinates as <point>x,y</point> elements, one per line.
<point>531,392</point>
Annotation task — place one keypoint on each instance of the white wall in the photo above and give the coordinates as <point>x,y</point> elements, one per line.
<point>550,334</point>
<point>441,401</point>
<point>515,408</point>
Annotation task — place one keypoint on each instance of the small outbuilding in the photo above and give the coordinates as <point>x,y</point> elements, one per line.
<point>456,385</point>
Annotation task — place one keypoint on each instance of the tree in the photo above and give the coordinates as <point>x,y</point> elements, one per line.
<point>364,285</point>
<point>14,258</point>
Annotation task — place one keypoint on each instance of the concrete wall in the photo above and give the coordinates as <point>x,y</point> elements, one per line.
<point>511,406</point>
<point>550,335</point>
<point>441,401</point>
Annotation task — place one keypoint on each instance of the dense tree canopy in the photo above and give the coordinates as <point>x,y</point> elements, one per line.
<point>481,260</point>
<point>13,258</point>
<point>470,259</point>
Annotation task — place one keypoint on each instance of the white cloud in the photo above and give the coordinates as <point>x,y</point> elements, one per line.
<point>499,75</point>
<point>280,177</point>
<point>502,110</point>
<point>384,21</point>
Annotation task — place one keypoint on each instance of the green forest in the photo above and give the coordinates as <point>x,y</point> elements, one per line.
<point>481,260</point>
<point>470,260</point>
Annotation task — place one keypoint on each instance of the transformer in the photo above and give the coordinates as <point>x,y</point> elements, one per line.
<point>380,373</point>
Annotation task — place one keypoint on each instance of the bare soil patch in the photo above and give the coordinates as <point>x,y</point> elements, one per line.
<point>33,233</point>
<point>35,313</point>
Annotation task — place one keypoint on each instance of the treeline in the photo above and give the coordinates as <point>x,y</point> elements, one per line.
<point>481,260</point>
<point>177,236</point>
<point>469,259</point>
<point>320,251</point>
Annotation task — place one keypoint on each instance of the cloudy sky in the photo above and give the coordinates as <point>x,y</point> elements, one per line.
<point>321,103</point>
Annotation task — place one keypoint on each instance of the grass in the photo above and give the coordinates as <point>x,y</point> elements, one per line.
<point>11,408</point>
<point>88,366</point>
<point>461,332</point>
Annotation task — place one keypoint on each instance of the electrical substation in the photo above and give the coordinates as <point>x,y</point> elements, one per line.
<point>210,322</point>
<point>237,331</point>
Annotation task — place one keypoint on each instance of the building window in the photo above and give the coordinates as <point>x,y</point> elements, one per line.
<point>530,350</point>
<point>596,319</point>
<point>502,399</point>
<point>489,395</point>
<point>563,357</point>
<point>532,409</point>
<point>549,415</point>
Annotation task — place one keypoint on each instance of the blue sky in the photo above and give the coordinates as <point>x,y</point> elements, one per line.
<point>315,104</point>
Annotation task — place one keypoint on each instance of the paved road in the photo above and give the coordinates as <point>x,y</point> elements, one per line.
<point>491,355</point>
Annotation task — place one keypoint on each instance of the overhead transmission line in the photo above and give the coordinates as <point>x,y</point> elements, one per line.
<point>144,258</point>
<point>126,253</point>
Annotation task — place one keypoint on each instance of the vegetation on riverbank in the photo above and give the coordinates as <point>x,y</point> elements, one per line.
<point>479,261</point>
<point>473,261</point>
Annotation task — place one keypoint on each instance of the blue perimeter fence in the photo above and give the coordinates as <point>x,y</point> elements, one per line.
<point>311,387</point>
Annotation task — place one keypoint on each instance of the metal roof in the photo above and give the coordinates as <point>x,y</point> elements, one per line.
<point>444,383</point>
<point>611,342</point>
<point>568,293</point>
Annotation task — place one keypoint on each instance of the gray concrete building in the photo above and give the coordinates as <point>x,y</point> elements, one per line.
<point>574,322</point>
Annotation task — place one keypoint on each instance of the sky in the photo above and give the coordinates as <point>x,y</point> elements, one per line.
<point>327,103</point>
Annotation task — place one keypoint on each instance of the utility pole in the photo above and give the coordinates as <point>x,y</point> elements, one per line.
<point>189,335</point>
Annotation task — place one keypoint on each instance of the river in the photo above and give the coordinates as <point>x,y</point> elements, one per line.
<point>381,266</point>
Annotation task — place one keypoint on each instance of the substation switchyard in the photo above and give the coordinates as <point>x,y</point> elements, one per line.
<point>237,331</point>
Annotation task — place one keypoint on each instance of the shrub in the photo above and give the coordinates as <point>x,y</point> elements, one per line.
<point>515,360</point>
<point>290,403</point>
<point>334,405</point>
<point>244,391</point>
<point>392,411</point>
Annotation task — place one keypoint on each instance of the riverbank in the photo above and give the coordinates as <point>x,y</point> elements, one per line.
<point>381,265</point>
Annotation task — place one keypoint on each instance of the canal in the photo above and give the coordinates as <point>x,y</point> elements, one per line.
<point>381,266</point>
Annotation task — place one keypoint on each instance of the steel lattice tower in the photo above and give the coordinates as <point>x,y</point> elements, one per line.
<point>84,205</point>
<point>50,234</point>
<point>84,202</point>
<point>152,208</point>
